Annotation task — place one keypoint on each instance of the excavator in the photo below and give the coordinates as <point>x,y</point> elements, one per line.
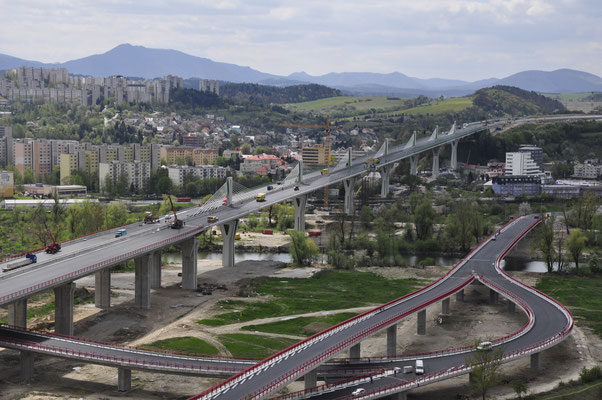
<point>53,247</point>
<point>150,218</point>
<point>177,223</point>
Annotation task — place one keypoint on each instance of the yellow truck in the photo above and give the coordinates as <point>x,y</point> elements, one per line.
<point>260,197</point>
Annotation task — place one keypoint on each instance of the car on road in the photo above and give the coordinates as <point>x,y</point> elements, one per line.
<point>211,219</point>
<point>358,391</point>
<point>270,187</point>
<point>225,202</point>
<point>484,346</point>
<point>260,197</point>
<point>324,172</point>
<point>120,233</point>
<point>296,188</point>
<point>419,367</point>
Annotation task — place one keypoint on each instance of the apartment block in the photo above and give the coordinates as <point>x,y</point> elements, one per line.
<point>137,173</point>
<point>177,174</point>
<point>518,163</point>
<point>315,155</point>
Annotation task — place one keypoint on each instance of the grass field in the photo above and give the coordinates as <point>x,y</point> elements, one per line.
<point>562,97</point>
<point>254,346</point>
<point>452,104</point>
<point>589,391</point>
<point>581,294</point>
<point>302,326</point>
<point>185,344</point>
<point>326,290</point>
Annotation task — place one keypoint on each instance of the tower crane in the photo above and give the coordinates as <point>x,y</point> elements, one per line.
<point>327,129</point>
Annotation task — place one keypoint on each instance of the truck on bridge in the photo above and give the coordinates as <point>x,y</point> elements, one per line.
<point>29,259</point>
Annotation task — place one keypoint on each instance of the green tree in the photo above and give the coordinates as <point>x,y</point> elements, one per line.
<point>164,185</point>
<point>576,243</point>
<point>544,242</point>
<point>303,250</point>
<point>424,217</point>
<point>520,387</point>
<point>366,217</point>
<point>485,365</point>
<point>117,214</point>
<point>459,225</point>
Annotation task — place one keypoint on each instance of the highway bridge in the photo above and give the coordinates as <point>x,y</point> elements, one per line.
<point>97,253</point>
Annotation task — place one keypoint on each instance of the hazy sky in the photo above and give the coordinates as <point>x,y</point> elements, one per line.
<point>457,39</point>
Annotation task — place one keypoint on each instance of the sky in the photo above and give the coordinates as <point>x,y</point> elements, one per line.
<point>453,39</point>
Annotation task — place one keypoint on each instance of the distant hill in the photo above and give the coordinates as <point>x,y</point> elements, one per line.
<point>507,100</point>
<point>139,61</point>
<point>241,92</point>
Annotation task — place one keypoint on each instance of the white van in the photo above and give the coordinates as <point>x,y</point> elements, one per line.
<point>419,367</point>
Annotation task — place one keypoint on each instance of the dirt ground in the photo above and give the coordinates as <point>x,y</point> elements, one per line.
<point>174,313</point>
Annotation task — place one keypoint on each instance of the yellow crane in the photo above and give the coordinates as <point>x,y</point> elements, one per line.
<point>327,129</point>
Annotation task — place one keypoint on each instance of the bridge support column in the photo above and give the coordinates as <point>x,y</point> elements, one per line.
<point>414,164</point>
<point>385,174</point>
<point>228,235</point>
<point>355,351</point>
<point>493,296</point>
<point>349,186</point>
<point>460,296</point>
<point>142,295</point>
<point>392,340</point>
<point>63,309</point>
<point>399,396</point>
<point>535,364</point>
<point>156,269</point>
<point>299,203</point>
<point>454,154</point>
<point>445,306</point>
<point>189,263</point>
<point>124,380</point>
<point>311,379</point>
<point>26,358</point>
<point>102,288</point>
<point>421,325</point>
<point>436,152</point>
<point>511,306</point>
<point>17,313</point>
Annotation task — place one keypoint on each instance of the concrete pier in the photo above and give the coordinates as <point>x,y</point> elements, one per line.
<point>190,249</point>
<point>445,306</point>
<point>454,154</point>
<point>355,351</point>
<point>17,313</point>
<point>311,379</point>
<point>349,185</point>
<point>436,152</point>
<point>142,295</point>
<point>124,380</point>
<point>26,358</point>
<point>392,340</point>
<point>300,203</point>
<point>228,235</point>
<point>460,296</point>
<point>155,269</point>
<point>493,296</point>
<point>63,309</point>
<point>102,288</point>
<point>414,164</point>
<point>421,324</point>
<point>385,174</point>
<point>535,362</point>
<point>511,306</point>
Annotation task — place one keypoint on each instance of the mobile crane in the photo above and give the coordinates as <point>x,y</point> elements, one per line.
<point>53,247</point>
<point>177,223</point>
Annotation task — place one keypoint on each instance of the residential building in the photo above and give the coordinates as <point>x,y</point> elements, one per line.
<point>7,184</point>
<point>316,155</point>
<point>177,173</point>
<point>23,154</point>
<point>561,191</point>
<point>204,156</point>
<point>587,170</point>
<point>208,85</point>
<point>260,164</point>
<point>514,185</point>
<point>6,146</point>
<point>137,173</point>
<point>194,139</point>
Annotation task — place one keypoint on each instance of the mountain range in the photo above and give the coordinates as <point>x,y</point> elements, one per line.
<point>139,61</point>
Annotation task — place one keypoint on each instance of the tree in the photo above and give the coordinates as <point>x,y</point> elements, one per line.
<point>544,242</point>
<point>366,217</point>
<point>459,225</point>
<point>520,387</point>
<point>424,217</point>
<point>594,263</point>
<point>485,365</point>
<point>117,214</point>
<point>524,208</point>
<point>575,243</point>
<point>303,250</point>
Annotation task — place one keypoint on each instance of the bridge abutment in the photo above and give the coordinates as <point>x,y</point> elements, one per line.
<point>142,295</point>
<point>385,174</point>
<point>17,313</point>
<point>102,288</point>
<point>124,380</point>
<point>392,340</point>
<point>349,185</point>
<point>63,309</point>
<point>26,359</point>
<point>155,269</point>
<point>421,323</point>
<point>355,351</point>
<point>228,235</point>
<point>189,263</point>
<point>300,203</point>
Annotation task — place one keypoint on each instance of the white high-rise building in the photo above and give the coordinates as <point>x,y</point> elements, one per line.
<point>521,164</point>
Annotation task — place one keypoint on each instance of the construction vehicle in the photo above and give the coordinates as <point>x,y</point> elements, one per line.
<point>211,219</point>
<point>372,163</point>
<point>53,247</point>
<point>150,218</point>
<point>324,171</point>
<point>29,259</point>
<point>176,223</point>
<point>327,128</point>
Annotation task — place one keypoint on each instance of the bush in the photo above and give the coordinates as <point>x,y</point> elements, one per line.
<point>590,375</point>
<point>426,262</point>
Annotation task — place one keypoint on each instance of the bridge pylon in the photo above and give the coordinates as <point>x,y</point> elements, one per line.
<point>228,236</point>
<point>300,203</point>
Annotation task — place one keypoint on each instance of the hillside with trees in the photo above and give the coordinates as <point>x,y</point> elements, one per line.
<point>508,100</point>
<point>263,94</point>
